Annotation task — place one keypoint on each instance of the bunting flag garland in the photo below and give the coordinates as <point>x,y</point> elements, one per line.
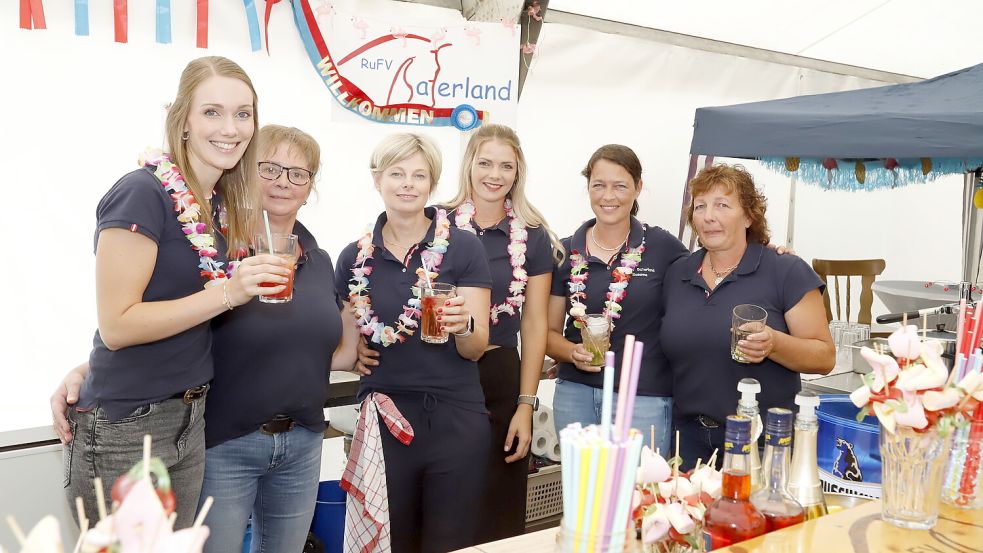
<point>119,21</point>
<point>202,24</point>
<point>32,15</point>
<point>869,174</point>
<point>163,21</point>
<point>82,17</point>
<point>266,22</point>
<point>253,20</point>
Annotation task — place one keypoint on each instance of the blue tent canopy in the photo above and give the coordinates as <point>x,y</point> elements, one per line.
<point>937,118</point>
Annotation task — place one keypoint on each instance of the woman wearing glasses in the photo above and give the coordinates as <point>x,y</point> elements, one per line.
<point>265,418</point>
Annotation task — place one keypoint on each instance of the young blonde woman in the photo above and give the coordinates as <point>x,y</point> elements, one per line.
<point>423,414</point>
<point>162,274</point>
<point>491,203</point>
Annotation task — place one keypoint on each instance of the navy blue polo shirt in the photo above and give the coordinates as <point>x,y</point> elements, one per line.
<point>412,365</point>
<point>539,261</point>
<point>696,330</point>
<point>641,313</point>
<point>122,380</point>
<point>274,359</point>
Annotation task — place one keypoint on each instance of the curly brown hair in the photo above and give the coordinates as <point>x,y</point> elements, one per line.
<point>734,178</point>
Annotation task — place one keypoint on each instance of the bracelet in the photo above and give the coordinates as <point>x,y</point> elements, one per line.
<point>225,295</point>
<point>467,331</point>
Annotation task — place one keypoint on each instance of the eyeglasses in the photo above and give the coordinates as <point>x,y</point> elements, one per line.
<point>297,176</point>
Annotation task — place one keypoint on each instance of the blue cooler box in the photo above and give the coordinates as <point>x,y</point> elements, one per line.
<point>847,450</point>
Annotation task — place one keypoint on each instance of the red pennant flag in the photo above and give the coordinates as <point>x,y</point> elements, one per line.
<point>32,15</point>
<point>266,27</point>
<point>202,24</point>
<point>119,20</point>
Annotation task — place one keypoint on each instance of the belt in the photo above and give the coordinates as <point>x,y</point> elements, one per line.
<point>278,424</point>
<point>191,395</point>
<point>707,422</point>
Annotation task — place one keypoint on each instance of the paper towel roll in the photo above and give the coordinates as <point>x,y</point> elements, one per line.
<point>555,454</point>
<point>543,420</point>
<point>544,444</point>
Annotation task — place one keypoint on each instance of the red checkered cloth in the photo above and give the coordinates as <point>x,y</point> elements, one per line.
<point>367,508</point>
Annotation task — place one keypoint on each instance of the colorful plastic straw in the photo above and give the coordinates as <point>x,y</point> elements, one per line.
<point>606,395</point>
<point>626,354</point>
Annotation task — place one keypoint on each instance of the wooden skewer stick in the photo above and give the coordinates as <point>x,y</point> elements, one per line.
<point>697,467</point>
<point>676,465</point>
<point>15,528</point>
<point>712,461</point>
<point>146,456</point>
<point>204,511</point>
<point>652,435</point>
<point>80,509</point>
<point>100,497</point>
<point>171,519</point>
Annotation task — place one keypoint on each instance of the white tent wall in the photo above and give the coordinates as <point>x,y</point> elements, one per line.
<point>77,110</point>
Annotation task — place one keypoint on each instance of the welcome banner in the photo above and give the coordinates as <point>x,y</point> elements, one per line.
<point>407,73</point>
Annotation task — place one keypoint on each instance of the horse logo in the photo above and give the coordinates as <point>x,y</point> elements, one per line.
<point>846,466</point>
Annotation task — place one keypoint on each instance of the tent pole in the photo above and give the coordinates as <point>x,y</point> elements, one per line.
<point>693,160</point>
<point>790,228</point>
<point>972,229</point>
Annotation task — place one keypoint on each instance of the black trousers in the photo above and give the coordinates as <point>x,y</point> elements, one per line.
<point>697,441</point>
<point>435,483</point>
<point>504,500</point>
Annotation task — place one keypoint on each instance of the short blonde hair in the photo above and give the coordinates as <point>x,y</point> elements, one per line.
<point>272,137</point>
<point>397,147</point>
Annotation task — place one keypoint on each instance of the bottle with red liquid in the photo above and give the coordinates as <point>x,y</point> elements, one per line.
<point>733,518</point>
<point>774,500</point>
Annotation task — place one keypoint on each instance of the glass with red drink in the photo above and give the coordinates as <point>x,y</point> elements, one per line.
<point>432,297</point>
<point>285,247</point>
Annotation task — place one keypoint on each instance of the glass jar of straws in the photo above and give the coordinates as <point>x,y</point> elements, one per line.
<point>963,476</point>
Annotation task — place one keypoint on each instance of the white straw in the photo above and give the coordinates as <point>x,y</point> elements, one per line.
<point>269,234</point>
<point>203,512</point>
<point>426,273</point>
<point>146,456</point>
<point>18,533</point>
<point>100,498</point>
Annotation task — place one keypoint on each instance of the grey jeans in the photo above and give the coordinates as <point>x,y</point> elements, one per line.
<point>109,449</point>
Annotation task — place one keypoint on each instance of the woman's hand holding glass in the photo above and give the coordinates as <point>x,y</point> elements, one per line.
<point>581,359</point>
<point>758,346</point>
<point>454,316</point>
<point>252,272</point>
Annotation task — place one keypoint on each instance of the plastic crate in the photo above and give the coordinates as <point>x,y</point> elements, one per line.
<point>544,493</point>
<point>838,486</point>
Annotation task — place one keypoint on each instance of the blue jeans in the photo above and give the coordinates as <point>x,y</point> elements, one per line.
<point>573,402</point>
<point>110,449</point>
<point>272,477</point>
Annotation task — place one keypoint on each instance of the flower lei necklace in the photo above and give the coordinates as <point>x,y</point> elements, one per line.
<point>366,321</point>
<point>188,214</point>
<point>617,290</point>
<point>517,256</point>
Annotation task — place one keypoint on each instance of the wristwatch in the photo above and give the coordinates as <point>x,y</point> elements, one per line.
<point>529,400</point>
<point>467,332</point>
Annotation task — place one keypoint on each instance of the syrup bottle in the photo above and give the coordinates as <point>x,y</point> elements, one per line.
<point>732,518</point>
<point>773,500</point>
<point>747,406</point>
<point>803,479</point>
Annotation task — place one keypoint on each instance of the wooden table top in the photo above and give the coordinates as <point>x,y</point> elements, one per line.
<point>856,530</point>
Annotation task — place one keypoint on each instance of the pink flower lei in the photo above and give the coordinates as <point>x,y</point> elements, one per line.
<point>617,290</point>
<point>368,324</point>
<point>189,215</point>
<point>517,256</point>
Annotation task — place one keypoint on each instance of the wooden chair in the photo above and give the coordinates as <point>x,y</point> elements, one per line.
<point>866,269</point>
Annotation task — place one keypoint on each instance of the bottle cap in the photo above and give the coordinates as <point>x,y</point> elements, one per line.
<point>778,427</point>
<point>807,402</point>
<point>749,389</point>
<point>737,435</point>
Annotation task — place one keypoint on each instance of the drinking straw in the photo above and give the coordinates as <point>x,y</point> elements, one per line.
<point>615,484</point>
<point>604,517</point>
<point>627,484</point>
<point>583,455</point>
<point>566,466</point>
<point>590,511</point>
<point>269,233</point>
<point>636,365</point>
<point>607,396</point>
<point>967,485</point>
<point>626,355</point>
<point>975,341</point>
